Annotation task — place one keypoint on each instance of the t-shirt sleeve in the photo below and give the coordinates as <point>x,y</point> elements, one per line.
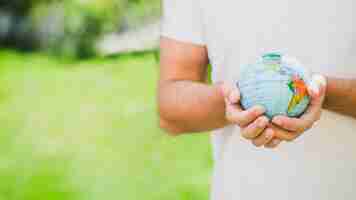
<point>182,21</point>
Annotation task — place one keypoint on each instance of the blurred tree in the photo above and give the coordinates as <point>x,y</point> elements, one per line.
<point>17,7</point>
<point>67,28</point>
<point>15,30</point>
<point>70,28</point>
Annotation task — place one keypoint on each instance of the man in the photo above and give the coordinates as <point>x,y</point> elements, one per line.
<point>322,34</point>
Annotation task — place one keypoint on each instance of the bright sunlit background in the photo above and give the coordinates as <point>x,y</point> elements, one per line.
<point>77,106</point>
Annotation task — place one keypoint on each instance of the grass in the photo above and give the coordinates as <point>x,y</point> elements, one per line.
<point>88,130</point>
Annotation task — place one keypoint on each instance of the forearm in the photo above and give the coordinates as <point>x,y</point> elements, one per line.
<point>341,96</point>
<point>187,106</point>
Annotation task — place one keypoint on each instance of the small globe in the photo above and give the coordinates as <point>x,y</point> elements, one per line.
<point>276,82</point>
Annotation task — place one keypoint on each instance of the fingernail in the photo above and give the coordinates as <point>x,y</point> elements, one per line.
<point>261,123</point>
<point>275,141</point>
<point>314,88</point>
<point>227,101</point>
<point>234,97</point>
<point>319,79</point>
<point>225,88</point>
<point>260,110</point>
<point>278,121</point>
<point>269,133</point>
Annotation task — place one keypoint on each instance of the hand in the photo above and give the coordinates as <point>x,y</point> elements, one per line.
<point>252,122</point>
<point>288,129</point>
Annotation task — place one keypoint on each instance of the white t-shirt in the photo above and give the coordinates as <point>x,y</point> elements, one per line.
<point>321,164</point>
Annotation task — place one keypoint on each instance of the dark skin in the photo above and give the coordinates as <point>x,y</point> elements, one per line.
<point>341,96</point>
<point>188,104</point>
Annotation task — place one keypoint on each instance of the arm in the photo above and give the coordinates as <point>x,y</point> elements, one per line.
<point>186,102</point>
<point>341,96</point>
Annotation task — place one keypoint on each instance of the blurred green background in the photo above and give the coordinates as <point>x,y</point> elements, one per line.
<point>77,124</point>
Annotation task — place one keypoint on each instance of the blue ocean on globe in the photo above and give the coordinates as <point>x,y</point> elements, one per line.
<point>276,82</point>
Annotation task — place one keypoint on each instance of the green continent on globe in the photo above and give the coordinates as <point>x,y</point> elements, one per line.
<point>276,82</point>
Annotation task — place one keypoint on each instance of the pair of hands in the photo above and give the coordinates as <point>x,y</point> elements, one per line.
<point>260,130</point>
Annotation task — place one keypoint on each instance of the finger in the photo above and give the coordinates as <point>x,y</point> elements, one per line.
<point>244,117</point>
<point>234,96</point>
<point>317,89</point>
<point>232,112</point>
<point>256,128</point>
<point>231,93</point>
<point>273,143</point>
<point>314,110</point>
<point>290,124</point>
<point>283,134</point>
<point>318,96</point>
<point>312,115</point>
<point>226,89</point>
<point>264,138</point>
<point>316,83</point>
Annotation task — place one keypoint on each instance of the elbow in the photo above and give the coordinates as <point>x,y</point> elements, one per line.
<point>168,122</point>
<point>169,117</point>
<point>171,128</point>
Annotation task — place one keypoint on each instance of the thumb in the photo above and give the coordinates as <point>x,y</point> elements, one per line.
<point>317,87</point>
<point>231,93</point>
<point>317,83</point>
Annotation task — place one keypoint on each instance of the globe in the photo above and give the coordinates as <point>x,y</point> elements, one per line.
<point>277,82</point>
